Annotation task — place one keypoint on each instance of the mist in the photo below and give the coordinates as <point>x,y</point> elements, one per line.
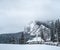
<point>16,14</point>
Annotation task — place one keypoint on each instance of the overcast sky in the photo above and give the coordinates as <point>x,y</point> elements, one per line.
<point>15,14</point>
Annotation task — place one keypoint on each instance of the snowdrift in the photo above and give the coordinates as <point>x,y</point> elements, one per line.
<point>27,47</point>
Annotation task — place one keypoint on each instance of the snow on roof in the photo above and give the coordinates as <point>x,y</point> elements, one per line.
<point>32,34</point>
<point>29,41</point>
<point>36,39</point>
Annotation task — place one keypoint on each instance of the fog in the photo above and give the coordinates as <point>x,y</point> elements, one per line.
<point>16,14</point>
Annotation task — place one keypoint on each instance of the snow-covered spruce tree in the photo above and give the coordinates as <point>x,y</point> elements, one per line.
<point>52,31</point>
<point>57,25</point>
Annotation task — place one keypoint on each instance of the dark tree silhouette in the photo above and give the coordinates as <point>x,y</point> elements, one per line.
<point>12,40</point>
<point>22,40</point>
<point>52,31</point>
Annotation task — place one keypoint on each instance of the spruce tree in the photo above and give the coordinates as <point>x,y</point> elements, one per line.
<point>52,31</point>
<point>22,40</point>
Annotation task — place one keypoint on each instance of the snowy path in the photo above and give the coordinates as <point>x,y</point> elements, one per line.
<point>27,47</point>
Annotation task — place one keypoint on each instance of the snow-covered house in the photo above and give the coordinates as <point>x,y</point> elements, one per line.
<point>35,40</point>
<point>35,30</point>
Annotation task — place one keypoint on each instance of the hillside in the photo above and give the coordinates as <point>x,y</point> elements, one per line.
<point>10,38</point>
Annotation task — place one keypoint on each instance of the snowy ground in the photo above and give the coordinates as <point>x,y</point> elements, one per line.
<point>27,47</point>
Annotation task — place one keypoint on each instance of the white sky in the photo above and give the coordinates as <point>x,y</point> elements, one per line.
<point>15,14</point>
